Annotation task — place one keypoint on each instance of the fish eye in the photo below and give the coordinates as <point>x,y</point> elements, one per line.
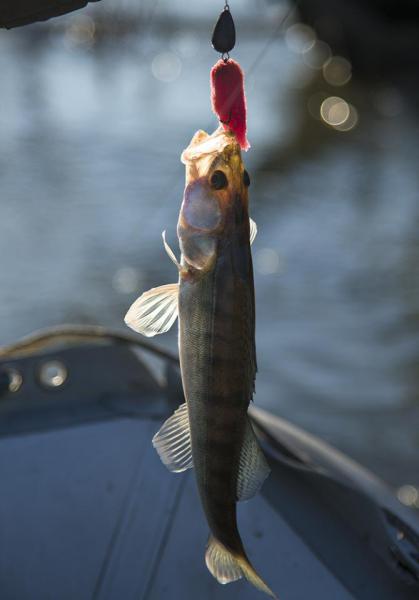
<point>246,178</point>
<point>218,180</point>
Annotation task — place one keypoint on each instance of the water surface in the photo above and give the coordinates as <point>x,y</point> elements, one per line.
<point>90,139</point>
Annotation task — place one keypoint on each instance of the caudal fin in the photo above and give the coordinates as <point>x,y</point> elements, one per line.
<point>227,567</point>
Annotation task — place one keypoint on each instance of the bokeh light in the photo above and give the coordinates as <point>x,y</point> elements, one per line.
<point>337,70</point>
<point>126,280</point>
<point>351,121</point>
<point>408,495</point>
<point>300,38</point>
<point>317,55</point>
<point>185,44</point>
<point>166,67</point>
<point>80,32</point>
<point>267,261</point>
<point>334,111</point>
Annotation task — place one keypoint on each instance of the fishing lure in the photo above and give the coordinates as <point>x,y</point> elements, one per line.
<point>228,98</point>
<point>227,80</point>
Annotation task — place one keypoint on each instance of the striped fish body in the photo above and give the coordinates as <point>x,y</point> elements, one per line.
<point>214,300</point>
<point>216,346</point>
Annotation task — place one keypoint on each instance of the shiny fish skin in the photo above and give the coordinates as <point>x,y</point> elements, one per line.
<point>216,343</point>
<point>217,338</point>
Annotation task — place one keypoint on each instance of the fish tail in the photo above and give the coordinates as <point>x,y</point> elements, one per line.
<point>226,566</point>
<point>253,577</point>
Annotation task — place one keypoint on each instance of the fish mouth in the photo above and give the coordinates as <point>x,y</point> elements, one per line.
<point>203,144</point>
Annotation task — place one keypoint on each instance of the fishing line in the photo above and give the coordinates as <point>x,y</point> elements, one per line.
<point>74,333</point>
<point>281,23</point>
<point>271,39</point>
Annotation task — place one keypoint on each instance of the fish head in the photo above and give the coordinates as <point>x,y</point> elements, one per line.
<point>215,200</point>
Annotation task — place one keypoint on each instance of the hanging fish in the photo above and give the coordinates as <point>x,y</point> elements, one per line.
<point>214,300</point>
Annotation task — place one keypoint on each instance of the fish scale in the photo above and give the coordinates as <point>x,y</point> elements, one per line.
<point>219,397</point>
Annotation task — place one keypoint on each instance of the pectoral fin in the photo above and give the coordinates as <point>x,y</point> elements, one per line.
<point>253,230</point>
<point>173,441</point>
<point>154,311</point>
<point>253,468</point>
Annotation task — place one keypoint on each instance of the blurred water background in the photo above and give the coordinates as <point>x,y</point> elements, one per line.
<point>95,109</point>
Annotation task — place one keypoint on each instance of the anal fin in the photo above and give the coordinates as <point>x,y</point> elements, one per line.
<point>253,468</point>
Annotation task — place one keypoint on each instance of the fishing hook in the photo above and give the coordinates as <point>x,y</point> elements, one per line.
<point>228,120</point>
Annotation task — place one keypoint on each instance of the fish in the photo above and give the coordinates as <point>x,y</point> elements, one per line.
<point>214,302</point>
